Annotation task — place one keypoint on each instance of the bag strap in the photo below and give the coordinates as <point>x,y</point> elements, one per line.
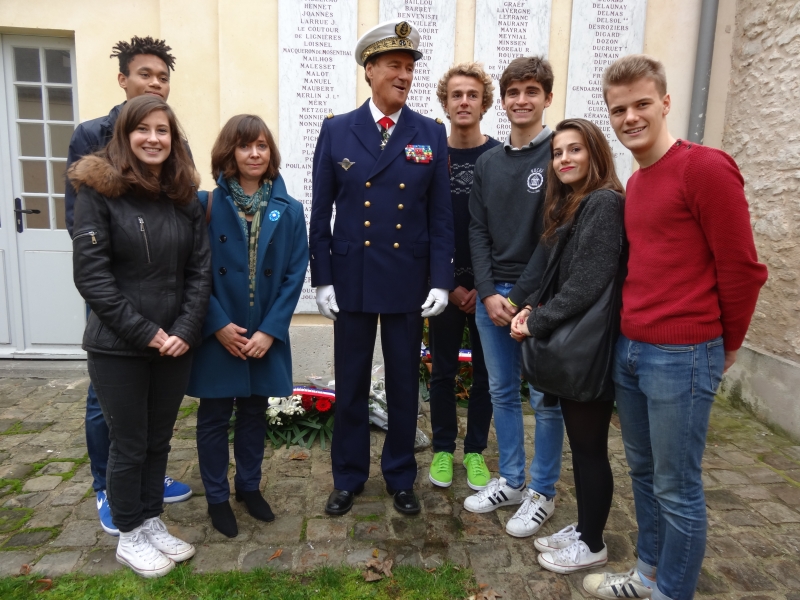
<point>206,204</point>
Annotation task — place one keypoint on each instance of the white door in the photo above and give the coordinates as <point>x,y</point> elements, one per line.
<point>41,313</point>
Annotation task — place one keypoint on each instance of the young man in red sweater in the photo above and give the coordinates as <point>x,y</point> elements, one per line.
<point>692,284</point>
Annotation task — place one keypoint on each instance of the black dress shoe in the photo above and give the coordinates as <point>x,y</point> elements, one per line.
<point>341,501</point>
<point>405,501</point>
<point>256,505</point>
<point>222,518</point>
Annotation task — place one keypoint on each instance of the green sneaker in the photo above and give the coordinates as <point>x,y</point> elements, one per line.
<point>478,475</point>
<point>441,473</point>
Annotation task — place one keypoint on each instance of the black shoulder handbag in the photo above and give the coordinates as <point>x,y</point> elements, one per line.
<point>575,361</point>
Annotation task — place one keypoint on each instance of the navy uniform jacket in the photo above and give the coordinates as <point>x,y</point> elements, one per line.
<point>393,236</point>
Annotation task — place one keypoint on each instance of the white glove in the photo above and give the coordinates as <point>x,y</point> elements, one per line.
<point>326,302</point>
<point>435,303</point>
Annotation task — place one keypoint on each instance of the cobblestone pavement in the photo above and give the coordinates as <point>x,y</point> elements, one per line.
<point>48,517</point>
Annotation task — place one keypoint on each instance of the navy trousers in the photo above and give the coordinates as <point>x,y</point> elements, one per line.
<point>249,436</point>
<point>354,343</point>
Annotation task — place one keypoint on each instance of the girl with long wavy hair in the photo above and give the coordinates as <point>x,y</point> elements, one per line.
<point>582,225</point>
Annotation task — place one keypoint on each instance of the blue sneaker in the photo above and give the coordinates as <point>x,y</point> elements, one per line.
<point>104,512</point>
<point>175,491</point>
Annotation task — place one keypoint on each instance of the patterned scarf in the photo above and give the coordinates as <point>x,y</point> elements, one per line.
<point>251,205</point>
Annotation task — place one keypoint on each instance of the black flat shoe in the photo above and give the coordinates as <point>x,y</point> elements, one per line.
<point>341,501</point>
<point>222,518</point>
<point>256,505</point>
<point>405,501</point>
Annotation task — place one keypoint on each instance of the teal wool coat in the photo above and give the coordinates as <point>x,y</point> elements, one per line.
<point>280,272</point>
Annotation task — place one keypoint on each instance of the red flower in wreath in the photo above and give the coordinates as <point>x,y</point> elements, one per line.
<point>323,405</point>
<point>306,402</point>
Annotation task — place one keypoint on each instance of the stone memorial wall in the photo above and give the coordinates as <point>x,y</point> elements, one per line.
<point>317,76</point>
<point>602,31</point>
<point>436,22</point>
<point>504,30</point>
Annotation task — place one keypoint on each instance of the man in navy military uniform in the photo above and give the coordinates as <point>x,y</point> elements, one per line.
<point>390,255</point>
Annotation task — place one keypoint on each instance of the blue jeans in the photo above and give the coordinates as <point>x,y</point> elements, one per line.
<point>97,440</point>
<point>664,395</point>
<point>503,358</point>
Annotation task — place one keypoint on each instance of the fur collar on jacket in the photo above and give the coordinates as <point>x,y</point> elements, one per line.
<point>99,174</point>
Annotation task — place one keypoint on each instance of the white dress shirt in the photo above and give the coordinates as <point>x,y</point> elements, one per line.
<point>377,115</point>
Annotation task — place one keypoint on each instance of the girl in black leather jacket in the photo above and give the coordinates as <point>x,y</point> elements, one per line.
<point>141,261</point>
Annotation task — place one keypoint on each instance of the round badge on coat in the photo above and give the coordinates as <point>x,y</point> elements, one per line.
<point>274,215</point>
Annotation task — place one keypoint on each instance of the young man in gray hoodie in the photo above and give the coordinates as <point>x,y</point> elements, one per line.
<point>506,209</point>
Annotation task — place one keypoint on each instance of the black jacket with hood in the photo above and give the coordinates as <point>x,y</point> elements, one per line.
<point>140,263</point>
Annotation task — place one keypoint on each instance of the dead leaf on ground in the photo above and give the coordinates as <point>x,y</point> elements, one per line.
<point>387,567</point>
<point>299,455</point>
<point>276,554</point>
<point>374,563</point>
<point>47,584</point>
<point>371,576</point>
<point>25,569</point>
<point>432,570</point>
<point>375,553</point>
<point>372,528</point>
<point>488,595</point>
<point>325,554</point>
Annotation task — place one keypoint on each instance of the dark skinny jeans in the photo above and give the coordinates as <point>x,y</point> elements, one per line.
<point>446,331</point>
<point>140,398</point>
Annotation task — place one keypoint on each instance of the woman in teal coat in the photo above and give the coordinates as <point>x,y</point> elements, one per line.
<point>259,254</point>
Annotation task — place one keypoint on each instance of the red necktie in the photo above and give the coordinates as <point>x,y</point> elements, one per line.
<point>385,122</point>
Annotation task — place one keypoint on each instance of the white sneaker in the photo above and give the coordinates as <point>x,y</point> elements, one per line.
<point>575,557</point>
<point>557,541</point>
<point>496,494</point>
<point>135,551</point>
<point>616,585</point>
<point>166,543</point>
<point>535,510</point>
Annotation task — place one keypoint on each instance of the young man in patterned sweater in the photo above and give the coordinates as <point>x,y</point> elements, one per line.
<point>466,93</point>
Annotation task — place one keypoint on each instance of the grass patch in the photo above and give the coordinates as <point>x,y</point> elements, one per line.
<point>410,583</point>
<point>186,411</point>
<point>369,517</point>
<point>304,529</point>
<point>15,429</point>
<point>9,486</point>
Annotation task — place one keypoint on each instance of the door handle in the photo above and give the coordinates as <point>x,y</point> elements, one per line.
<point>18,210</point>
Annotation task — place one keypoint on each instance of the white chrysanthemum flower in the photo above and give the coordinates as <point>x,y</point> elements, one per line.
<point>274,401</point>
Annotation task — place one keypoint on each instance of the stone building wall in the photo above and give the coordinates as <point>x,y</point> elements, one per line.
<point>762,133</point>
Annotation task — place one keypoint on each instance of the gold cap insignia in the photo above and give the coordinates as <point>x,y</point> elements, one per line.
<point>402,29</point>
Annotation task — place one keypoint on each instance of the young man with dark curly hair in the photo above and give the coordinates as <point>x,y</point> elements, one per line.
<point>144,68</point>
<point>465,92</point>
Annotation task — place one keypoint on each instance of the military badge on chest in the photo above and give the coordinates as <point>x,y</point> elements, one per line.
<point>419,154</point>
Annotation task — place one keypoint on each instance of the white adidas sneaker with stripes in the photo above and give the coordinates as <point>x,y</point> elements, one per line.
<point>535,510</point>
<point>497,493</point>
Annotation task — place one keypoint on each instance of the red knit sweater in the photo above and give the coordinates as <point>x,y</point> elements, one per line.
<point>693,272</point>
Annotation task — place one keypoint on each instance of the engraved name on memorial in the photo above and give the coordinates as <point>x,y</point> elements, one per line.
<point>602,32</point>
<point>317,76</point>
<point>504,30</point>
<point>436,22</point>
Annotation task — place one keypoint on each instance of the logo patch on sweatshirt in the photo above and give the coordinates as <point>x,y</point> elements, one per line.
<point>535,180</point>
